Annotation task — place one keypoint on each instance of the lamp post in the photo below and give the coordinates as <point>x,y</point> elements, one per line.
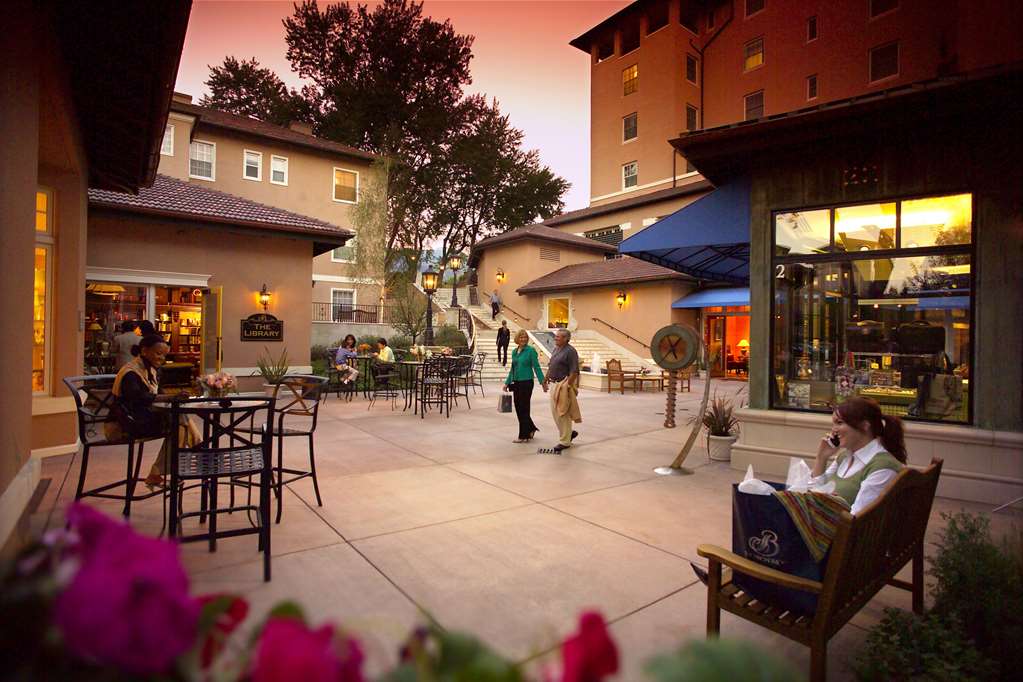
<point>430,287</point>
<point>454,262</point>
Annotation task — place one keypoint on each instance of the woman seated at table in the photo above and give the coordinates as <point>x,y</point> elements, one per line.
<point>874,452</point>
<point>344,360</point>
<point>136,387</point>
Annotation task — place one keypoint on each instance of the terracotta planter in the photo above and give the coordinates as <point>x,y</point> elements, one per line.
<point>719,448</point>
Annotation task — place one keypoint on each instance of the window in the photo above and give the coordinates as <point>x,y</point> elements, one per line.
<point>342,303</point>
<point>630,174</point>
<point>753,6</point>
<point>811,29</point>
<point>630,36</point>
<point>754,105</point>
<point>879,7</point>
<point>691,69</point>
<point>811,87</point>
<point>346,186</point>
<point>884,62</point>
<point>689,14</point>
<point>753,54</point>
<point>605,48</point>
<point>858,310</point>
<point>279,170</point>
<point>630,79</point>
<point>710,18</point>
<point>252,167</point>
<point>202,160</point>
<point>42,285</point>
<point>344,254</point>
<point>657,17</point>
<point>630,127</point>
<point>167,146</point>
<point>692,122</point>
<point>607,235</point>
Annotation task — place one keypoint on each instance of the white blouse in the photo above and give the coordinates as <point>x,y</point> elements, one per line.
<point>872,486</point>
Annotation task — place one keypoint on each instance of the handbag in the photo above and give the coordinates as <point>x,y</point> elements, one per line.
<point>866,336</point>
<point>504,402</point>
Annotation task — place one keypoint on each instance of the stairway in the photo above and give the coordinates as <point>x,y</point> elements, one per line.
<point>588,342</point>
<point>486,342</point>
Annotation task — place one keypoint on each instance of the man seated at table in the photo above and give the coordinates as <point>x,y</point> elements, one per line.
<point>384,352</point>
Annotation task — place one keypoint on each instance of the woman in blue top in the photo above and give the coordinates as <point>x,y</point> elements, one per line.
<point>524,363</point>
<point>343,360</point>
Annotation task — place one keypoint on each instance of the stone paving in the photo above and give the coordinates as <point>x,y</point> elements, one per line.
<point>448,517</point>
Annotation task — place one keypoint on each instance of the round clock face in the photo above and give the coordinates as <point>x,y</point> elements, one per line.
<point>675,346</point>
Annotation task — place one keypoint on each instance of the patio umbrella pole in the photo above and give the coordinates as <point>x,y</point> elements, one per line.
<point>676,468</point>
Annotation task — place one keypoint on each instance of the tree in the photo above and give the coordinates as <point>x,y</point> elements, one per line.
<point>246,88</point>
<point>408,314</point>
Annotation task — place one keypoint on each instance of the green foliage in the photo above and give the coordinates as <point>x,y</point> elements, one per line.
<point>981,585</point>
<point>245,88</point>
<point>273,370</point>
<point>719,418</point>
<point>906,647</point>
<point>448,335</point>
<point>408,312</point>
<point>399,342</point>
<point>721,660</point>
<point>438,656</point>
<point>370,339</point>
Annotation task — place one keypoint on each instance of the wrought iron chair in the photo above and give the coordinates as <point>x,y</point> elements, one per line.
<point>476,373</point>
<point>94,398</point>
<point>236,444</point>
<point>433,388</point>
<point>297,396</point>
<point>460,371</point>
<point>385,383</point>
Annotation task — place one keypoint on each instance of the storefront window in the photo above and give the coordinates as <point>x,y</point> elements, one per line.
<point>108,305</point>
<point>895,328</point>
<point>41,287</point>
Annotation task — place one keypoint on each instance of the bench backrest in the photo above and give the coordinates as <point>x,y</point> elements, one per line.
<point>870,548</point>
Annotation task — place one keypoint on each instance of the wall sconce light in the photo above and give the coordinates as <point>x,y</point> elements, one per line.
<point>621,298</point>
<point>500,276</point>
<point>264,297</point>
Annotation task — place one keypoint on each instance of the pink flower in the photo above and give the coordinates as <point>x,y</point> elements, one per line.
<point>128,605</point>
<point>226,623</point>
<point>590,655</point>
<point>289,650</point>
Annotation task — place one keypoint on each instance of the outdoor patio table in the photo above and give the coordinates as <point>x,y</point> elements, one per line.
<point>363,364</point>
<point>410,373</point>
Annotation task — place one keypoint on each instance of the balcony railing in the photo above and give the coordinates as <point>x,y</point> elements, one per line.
<point>361,313</point>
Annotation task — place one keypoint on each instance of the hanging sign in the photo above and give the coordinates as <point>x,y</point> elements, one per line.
<point>262,327</point>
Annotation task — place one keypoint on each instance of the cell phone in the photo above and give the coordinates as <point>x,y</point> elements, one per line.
<point>833,439</point>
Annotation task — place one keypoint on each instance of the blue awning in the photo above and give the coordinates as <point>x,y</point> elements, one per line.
<point>710,298</point>
<point>708,239</point>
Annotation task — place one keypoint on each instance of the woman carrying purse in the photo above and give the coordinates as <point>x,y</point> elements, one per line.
<point>524,364</point>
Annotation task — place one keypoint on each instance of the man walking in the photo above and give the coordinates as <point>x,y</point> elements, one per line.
<point>495,305</point>
<point>503,339</point>
<point>563,379</point>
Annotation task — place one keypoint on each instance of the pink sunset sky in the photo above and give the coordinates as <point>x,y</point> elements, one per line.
<point>521,56</point>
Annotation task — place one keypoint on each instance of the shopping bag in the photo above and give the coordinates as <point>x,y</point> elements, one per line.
<point>763,531</point>
<point>504,402</point>
<point>944,395</point>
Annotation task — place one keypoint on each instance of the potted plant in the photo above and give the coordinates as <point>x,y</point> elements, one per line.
<point>721,424</point>
<point>272,370</point>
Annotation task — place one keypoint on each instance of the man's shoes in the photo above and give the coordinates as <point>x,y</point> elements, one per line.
<point>574,434</point>
<point>700,573</point>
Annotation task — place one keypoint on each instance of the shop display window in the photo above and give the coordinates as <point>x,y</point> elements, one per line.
<point>875,300</point>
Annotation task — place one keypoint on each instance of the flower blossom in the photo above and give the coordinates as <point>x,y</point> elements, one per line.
<point>590,655</point>
<point>289,650</point>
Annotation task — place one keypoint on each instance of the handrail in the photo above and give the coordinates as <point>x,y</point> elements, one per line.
<point>633,338</point>
<point>467,323</point>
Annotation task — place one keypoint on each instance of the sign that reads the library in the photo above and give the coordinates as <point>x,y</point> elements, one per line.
<point>262,327</point>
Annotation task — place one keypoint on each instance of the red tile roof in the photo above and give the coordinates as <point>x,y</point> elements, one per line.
<point>175,198</point>
<point>253,126</point>
<point>624,270</point>
<point>539,232</point>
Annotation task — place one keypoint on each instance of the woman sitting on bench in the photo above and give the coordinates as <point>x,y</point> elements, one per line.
<point>875,451</point>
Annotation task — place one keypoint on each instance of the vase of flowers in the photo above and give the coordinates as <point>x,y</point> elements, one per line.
<point>218,384</point>
<point>363,349</point>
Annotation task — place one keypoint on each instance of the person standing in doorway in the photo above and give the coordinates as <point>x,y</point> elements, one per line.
<point>563,380</point>
<point>503,340</point>
<point>525,364</point>
<point>124,342</point>
<point>495,305</point>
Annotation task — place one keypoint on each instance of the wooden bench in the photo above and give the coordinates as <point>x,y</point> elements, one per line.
<point>866,553</point>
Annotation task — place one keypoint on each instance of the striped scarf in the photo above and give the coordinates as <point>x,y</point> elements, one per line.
<point>816,516</point>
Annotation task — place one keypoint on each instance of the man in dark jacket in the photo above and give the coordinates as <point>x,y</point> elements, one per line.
<point>503,339</point>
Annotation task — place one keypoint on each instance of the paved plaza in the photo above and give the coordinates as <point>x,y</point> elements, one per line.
<point>448,517</point>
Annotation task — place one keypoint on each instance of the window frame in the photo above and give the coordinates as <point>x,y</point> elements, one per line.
<point>745,106</point>
<point>635,116</point>
<point>355,302</point>
<point>350,244</point>
<point>880,254</point>
<point>696,117</point>
<point>745,9</point>
<point>816,28</point>
<point>169,128</point>
<point>695,61</point>
<point>46,241</point>
<point>870,10</point>
<point>871,80</point>
<point>816,87</point>
<point>633,82</point>
<point>245,165</point>
<point>626,187</point>
<point>333,185</point>
<point>286,169</point>
<point>213,160</point>
<point>746,57</point>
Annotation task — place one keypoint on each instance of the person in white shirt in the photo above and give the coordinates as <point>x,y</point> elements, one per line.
<point>873,452</point>
<point>124,342</point>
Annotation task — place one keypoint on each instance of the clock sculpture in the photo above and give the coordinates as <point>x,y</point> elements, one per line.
<point>675,348</point>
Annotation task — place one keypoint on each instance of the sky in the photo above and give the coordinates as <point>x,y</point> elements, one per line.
<point>521,56</point>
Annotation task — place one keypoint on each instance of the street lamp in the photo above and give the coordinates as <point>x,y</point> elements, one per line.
<point>430,287</point>
<point>454,262</point>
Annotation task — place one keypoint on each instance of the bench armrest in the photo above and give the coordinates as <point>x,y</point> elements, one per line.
<point>755,570</point>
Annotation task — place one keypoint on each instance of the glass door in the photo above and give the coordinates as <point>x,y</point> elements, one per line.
<point>557,313</point>
<point>714,337</point>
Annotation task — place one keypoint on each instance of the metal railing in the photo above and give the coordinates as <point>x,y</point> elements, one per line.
<point>362,313</point>
<point>467,324</point>
<point>628,336</point>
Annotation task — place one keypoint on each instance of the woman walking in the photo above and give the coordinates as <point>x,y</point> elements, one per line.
<point>524,364</point>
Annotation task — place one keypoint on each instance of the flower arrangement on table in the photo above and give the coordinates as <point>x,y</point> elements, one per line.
<point>363,348</point>
<point>100,601</point>
<point>446,351</point>
<point>218,384</point>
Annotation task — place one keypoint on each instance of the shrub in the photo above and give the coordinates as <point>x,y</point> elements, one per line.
<point>720,417</point>
<point>400,342</point>
<point>906,647</point>
<point>716,660</point>
<point>448,335</point>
